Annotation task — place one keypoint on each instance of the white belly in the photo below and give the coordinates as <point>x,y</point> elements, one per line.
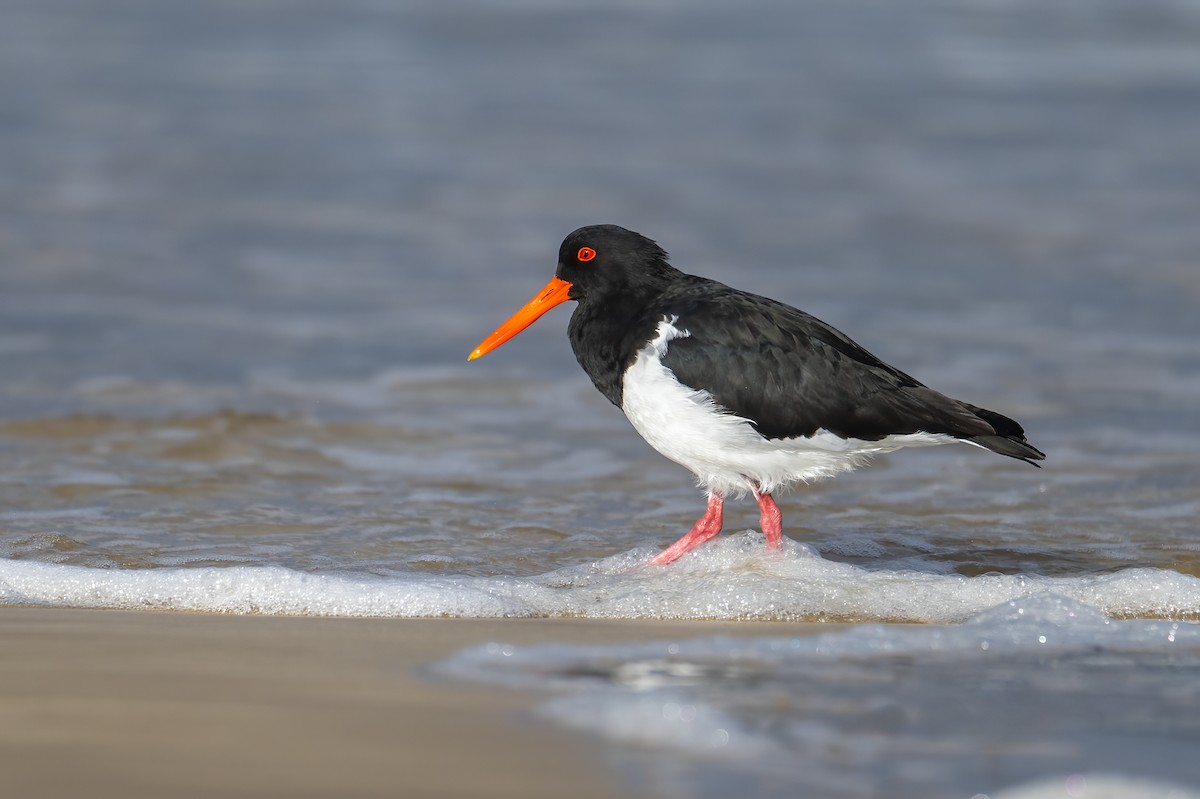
<point>727,455</point>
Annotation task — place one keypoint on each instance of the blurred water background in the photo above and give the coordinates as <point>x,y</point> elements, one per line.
<point>245,248</point>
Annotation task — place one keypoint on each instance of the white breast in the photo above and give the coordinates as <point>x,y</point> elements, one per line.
<point>727,455</point>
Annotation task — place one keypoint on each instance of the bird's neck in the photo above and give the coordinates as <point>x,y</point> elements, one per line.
<point>606,334</point>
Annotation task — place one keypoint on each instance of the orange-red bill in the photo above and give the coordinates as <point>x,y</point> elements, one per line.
<point>556,292</point>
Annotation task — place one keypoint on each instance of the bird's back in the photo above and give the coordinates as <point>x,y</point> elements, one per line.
<point>793,375</point>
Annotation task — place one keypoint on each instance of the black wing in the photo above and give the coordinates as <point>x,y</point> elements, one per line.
<point>791,374</point>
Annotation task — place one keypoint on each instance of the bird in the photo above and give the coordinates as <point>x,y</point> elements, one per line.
<point>749,394</point>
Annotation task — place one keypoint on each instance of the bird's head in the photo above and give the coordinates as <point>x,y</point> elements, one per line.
<point>593,262</point>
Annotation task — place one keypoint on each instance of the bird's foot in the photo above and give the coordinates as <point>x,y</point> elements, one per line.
<point>771,520</point>
<point>705,528</point>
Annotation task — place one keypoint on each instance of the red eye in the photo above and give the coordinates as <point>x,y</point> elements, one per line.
<point>585,254</point>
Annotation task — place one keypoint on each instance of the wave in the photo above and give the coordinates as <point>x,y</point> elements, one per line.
<point>734,578</point>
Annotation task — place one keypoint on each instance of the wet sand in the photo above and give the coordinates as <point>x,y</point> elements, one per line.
<point>132,704</point>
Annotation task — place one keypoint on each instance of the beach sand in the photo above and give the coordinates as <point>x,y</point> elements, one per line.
<point>146,704</point>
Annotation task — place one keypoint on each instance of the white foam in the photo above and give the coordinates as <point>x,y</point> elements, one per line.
<point>733,578</point>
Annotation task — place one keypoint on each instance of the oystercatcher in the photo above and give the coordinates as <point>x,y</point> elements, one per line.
<point>749,394</point>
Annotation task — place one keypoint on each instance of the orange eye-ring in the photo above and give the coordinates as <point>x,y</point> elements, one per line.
<point>585,254</point>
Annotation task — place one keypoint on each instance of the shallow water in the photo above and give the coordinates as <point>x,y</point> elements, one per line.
<point>244,252</point>
<point>1028,690</point>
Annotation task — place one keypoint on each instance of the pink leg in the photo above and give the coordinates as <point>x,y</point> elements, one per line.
<point>705,528</point>
<point>771,520</point>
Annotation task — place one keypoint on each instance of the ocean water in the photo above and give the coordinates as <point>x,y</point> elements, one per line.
<point>245,248</point>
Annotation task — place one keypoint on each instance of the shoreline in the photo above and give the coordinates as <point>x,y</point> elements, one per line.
<point>115,703</point>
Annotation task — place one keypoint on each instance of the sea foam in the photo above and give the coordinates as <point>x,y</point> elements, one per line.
<point>733,578</point>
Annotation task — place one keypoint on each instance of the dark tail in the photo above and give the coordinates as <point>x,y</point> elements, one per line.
<point>1009,438</point>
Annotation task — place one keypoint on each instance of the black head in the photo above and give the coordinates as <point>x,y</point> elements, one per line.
<point>595,263</point>
<point>599,260</point>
